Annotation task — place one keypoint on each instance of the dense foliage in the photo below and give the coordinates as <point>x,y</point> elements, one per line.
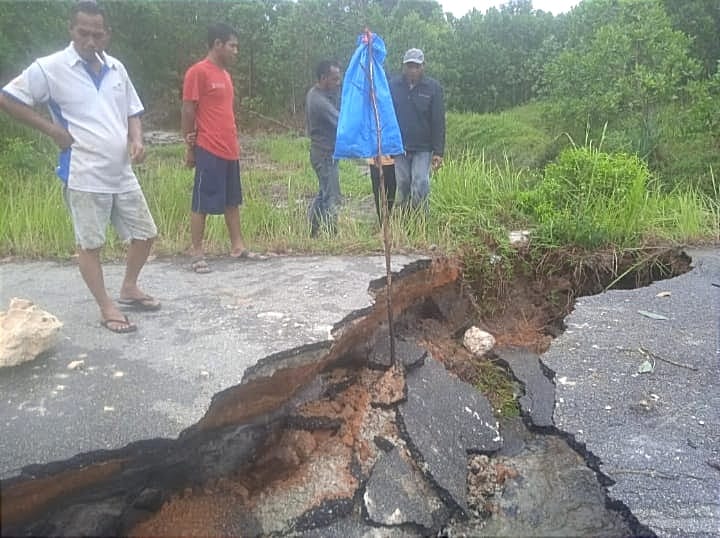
<point>644,50</point>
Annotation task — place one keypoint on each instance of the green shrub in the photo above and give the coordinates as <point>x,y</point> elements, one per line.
<point>590,198</point>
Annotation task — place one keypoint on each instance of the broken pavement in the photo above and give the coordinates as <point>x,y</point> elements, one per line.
<point>256,462</point>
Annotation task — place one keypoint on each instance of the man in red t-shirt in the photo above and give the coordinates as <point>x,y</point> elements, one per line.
<point>208,126</point>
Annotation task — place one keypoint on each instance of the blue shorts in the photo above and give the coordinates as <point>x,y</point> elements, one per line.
<point>217,183</point>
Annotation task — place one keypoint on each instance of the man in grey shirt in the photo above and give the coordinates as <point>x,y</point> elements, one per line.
<point>321,115</point>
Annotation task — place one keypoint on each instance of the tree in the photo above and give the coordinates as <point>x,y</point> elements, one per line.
<point>700,20</point>
<point>252,20</point>
<point>630,64</point>
<point>495,61</point>
<point>703,112</point>
<point>306,33</point>
<point>29,30</point>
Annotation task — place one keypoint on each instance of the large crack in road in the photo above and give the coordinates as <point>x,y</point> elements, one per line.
<point>310,444</point>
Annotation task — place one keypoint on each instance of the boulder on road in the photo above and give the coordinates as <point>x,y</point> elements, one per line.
<point>25,332</point>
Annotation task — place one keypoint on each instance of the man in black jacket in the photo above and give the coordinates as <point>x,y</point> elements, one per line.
<point>420,109</point>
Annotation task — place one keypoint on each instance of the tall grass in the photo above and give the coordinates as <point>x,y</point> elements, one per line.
<point>278,187</point>
<point>713,204</point>
<point>33,218</point>
<point>473,200</point>
<point>594,199</point>
<point>689,215</point>
<point>473,197</point>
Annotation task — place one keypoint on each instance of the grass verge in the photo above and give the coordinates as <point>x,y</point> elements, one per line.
<point>473,201</point>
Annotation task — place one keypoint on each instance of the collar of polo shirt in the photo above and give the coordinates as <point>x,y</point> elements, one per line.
<point>73,57</point>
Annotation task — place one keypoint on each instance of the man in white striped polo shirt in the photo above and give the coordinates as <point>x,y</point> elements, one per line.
<point>96,124</point>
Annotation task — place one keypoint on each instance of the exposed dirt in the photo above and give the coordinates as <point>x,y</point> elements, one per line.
<point>297,469</point>
<point>528,308</point>
<point>335,434</point>
<point>522,302</point>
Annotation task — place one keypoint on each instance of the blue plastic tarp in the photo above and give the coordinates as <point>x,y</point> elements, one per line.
<point>357,127</point>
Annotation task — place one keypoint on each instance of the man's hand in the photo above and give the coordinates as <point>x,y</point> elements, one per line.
<point>190,139</point>
<point>137,151</point>
<point>61,137</point>
<point>190,157</point>
<point>437,162</point>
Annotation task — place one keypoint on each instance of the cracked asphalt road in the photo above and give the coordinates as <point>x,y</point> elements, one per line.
<point>656,433</point>
<point>159,380</point>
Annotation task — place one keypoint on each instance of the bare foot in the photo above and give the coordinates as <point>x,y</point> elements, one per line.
<point>200,266</point>
<point>116,321</point>
<point>120,326</point>
<point>134,297</point>
<point>132,293</point>
<point>237,251</point>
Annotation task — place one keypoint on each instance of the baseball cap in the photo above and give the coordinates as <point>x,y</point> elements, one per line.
<point>415,56</point>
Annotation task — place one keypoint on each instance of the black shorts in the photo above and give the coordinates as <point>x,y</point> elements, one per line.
<point>390,185</point>
<point>217,183</point>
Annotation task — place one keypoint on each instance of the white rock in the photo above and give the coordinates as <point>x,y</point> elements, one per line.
<point>519,237</point>
<point>76,365</point>
<point>564,381</point>
<point>25,332</point>
<point>478,342</point>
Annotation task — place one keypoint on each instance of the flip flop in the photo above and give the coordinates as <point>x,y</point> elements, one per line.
<point>249,255</point>
<point>200,266</point>
<point>147,303</point>
<point>126,325</point>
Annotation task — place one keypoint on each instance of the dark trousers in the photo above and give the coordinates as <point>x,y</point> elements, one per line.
<point>324,208</point>
<point>389,177</point>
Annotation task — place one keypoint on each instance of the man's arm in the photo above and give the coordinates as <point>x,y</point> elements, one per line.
<point>27,115</point>
<point>136,147</point>
<point>324,110</point>
<point>332,113</point>
<point>187,126</point>
<point>135,139</point>
<point>438,127</point>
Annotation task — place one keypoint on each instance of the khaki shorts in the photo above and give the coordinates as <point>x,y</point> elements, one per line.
<point>92,212</point>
